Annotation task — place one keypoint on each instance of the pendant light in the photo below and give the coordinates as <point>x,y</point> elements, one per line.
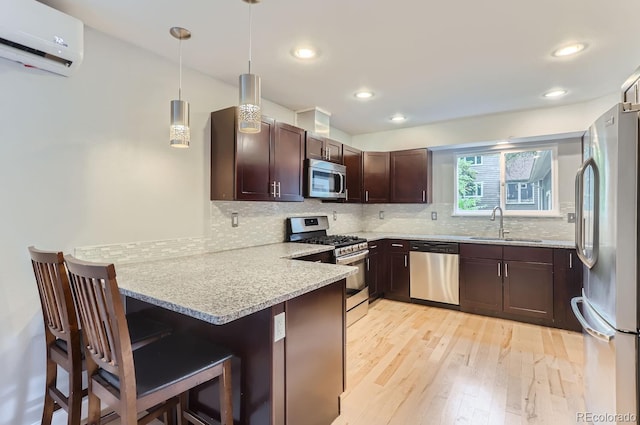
<point>249,109</point>
<point>179,132</point>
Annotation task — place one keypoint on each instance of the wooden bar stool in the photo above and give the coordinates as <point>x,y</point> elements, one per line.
<point>63,336</point>
<point>151,379</point>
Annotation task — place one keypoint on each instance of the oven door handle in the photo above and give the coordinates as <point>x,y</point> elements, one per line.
<point>352,258</point>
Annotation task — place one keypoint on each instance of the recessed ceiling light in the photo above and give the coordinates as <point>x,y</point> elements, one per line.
<point>305,53</point>
<point>569,50</point>
<point>555,93</point>
<point>364,94</point>
<point>398,118</point>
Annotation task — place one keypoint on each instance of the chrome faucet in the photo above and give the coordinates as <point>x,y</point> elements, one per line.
<point>501,230</point>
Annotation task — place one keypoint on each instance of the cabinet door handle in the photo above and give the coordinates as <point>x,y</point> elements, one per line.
<point>570,260</point>
<point>506,269</point>
<point>399,245</point>
<point>329,153</point>
<point>405,260</point>
<point>373,246</point>
<point>367,264</point>
<point>273,188</point>
<point>346,194</point>
<point>279,193</point>
<point>366,196</point>
<point>424,196</point>
<point>498,269</point>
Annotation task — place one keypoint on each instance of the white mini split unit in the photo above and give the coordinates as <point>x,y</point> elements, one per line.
<point>39,36</point>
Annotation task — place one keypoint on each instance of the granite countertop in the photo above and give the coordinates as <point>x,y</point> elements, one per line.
<point>372,236</point>
<point>220,287</point>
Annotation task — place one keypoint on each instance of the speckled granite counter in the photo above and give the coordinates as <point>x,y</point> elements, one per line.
<point>371,236</point>
<point>223,286</point>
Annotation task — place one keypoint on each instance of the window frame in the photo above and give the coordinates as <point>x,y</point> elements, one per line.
<point>502,151</point>
<point>481,186</point>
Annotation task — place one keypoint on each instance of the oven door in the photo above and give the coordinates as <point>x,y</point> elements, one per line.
<point>357,290</point>
<point>325,180</point>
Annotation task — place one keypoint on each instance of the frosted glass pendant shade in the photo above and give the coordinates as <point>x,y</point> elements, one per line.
<point>250,110</point>
<point>179,133</point>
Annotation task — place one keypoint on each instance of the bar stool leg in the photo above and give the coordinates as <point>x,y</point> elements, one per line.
<point>49,404</point>
<point>75,398</point>
<point>226,394</point>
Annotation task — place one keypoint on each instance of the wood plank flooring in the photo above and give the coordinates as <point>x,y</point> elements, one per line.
<point>409,364</point>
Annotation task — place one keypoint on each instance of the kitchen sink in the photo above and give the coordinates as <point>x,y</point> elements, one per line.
<point>489,238</point>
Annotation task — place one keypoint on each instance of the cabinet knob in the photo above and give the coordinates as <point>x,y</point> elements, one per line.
<point>366,196</point>
<point>424,196</point>
<point>498,269</point>
<point>405,260</point>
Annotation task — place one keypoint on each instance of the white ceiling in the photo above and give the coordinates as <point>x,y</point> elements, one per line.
<point>430,60</point>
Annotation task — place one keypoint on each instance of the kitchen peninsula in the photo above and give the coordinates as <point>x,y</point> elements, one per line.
<point>238,298</point>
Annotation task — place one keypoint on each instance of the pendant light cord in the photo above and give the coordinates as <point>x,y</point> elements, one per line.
<point>250,22</point>
<point>180,78</point>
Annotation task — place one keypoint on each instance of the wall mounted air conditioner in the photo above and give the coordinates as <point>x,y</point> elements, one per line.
<point>39,36</point>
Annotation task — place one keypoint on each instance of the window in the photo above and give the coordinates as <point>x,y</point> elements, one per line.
<point>473,190</point>
<point>522,182</point>
<point>519,193</point>
<point>474,160</point>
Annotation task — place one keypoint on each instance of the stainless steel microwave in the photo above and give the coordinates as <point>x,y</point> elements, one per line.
<point>325,180</point>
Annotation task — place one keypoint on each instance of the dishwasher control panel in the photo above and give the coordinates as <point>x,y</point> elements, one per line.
<point>429,246</point>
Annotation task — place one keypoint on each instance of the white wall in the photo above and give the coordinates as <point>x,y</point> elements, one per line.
<point>521,124</point>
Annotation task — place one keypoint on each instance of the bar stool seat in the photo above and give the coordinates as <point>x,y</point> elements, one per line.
<point>169,360</point>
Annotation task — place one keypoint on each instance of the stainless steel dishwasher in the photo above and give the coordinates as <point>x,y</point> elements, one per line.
<point>434,272</point>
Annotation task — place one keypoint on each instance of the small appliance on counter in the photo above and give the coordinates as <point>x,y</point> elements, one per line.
<point>348,251</point>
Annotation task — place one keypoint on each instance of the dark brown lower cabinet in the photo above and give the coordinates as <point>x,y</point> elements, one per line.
<point>314,356</point>
<point>513,282</point>
<point>398,270</point>
<point>375,269</point>
<point>567,283</point>
<point>528,289</point>
<point>480,285</point>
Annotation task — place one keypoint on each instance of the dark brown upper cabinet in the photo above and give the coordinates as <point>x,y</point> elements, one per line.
<point>352,159</point>
<point>410,176</point>
<point>322,148</point>
<point>265,166</point>
<point>375,177</point>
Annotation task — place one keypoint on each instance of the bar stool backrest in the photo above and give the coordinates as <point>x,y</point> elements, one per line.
<point>53,288</point>
<point>103,321</point>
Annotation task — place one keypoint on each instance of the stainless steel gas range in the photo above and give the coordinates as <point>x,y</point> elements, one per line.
<point>349,250</point>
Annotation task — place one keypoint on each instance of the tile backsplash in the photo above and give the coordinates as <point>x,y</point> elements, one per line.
<point>263,223</point>
<point>416,219</point>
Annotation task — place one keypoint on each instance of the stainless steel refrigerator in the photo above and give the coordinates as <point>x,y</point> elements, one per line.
<point>607,244</point>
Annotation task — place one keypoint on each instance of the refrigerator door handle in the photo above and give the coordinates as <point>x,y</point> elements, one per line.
<point>588,261</point>
<point>604,336</point>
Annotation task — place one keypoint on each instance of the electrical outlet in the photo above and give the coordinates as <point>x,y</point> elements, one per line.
<point>434,215</point>
<point>381,215</point>
<point>335,216</point>
<point>279,327</point>
<point>571,217</point>
<point>234,219</point>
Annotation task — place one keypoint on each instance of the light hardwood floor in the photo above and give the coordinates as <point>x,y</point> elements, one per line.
<point>409,364</point>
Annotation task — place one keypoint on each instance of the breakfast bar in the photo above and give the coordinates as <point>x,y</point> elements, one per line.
<point>284,319</point>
